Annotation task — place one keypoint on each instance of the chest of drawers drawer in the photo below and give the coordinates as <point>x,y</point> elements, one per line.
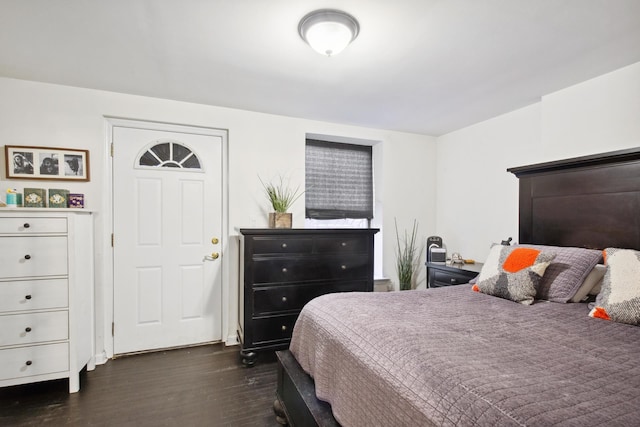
<point>346,267</point>
<point>23,362</point>
<point>30,256</point>
<point>273,329</point>
<point>281,245</point>
<point>19,329</point>
<point>301,246</point>
<point>33,294</point>
<point>341,245</point>
<point>31,225</point>
<point>278,299</point>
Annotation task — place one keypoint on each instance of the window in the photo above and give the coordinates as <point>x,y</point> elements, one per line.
<point>339,181</point>
<point>169,154</point>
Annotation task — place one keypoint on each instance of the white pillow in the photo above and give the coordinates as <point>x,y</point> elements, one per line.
<point>591,282</point>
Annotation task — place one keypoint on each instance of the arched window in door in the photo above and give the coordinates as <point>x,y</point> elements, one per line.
<point>168,154</point>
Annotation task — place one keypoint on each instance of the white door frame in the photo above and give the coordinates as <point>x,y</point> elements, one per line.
<point>107,225</point>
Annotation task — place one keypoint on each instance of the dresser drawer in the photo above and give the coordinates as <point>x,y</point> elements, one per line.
<point>342,245</point>
<point>18,329</point>
<point>274,328</point>
<point>32,225</point>
<point>34,295</point>
<point>33,256</point>
<point>34,360</point>
<point>280,270</point>
<point>273,299</point>
<point>282,245</point>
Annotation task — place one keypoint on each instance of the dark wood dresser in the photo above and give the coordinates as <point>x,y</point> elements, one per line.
<point>441,274</point>
<point>283,269</point>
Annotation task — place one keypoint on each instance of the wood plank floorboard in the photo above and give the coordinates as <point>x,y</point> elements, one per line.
<point>197,386</point>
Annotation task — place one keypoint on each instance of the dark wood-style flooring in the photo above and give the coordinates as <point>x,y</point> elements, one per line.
<point>197,386</point>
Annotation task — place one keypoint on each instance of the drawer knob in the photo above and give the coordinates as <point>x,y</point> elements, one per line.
<point>26,225</point>
<point>284,299</point>
<point>284,327</point>
<point>344,267</point>
<point>284,269</point>
<point>27,329</point>
<point>28,363</point>
<point>27,256</point>
<point>343,244</point>
<point>27,297</point>
<point>284,246</point>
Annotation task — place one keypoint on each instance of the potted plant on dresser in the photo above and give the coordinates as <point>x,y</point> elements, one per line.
<point>281,196</point>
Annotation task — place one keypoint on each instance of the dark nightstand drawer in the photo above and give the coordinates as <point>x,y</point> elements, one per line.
<point>276,270</point>
<point>274,299</point>
<point>274,328</point>
<point>440,274</point>
<point>447,278</point>
<point>282,245</point>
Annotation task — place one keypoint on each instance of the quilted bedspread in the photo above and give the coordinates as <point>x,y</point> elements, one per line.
<point>451,356</point>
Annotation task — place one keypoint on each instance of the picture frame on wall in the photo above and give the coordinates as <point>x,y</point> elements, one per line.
<point>25,162</point>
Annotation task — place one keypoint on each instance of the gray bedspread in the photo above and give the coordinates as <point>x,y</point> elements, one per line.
<point>451,356</point>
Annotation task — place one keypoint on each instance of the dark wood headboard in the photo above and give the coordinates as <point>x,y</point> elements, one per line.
<point>591,201</point>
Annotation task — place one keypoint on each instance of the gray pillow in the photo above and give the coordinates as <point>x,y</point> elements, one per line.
<point>566,273</point>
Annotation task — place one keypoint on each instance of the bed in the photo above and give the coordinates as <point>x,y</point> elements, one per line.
<point>467,354</point>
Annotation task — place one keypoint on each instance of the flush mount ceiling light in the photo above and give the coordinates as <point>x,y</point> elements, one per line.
<point>328,31</point>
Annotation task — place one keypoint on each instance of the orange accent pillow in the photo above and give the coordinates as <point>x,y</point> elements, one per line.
<point>600,313</point>
<point>520,258</point>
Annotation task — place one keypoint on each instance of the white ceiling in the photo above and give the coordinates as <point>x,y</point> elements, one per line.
<point>423,66</point>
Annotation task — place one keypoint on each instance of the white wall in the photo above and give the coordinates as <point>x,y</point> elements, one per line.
<point>477,200</point>
<point>40,114</point>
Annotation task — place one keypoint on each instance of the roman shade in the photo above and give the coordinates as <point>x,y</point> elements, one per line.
<point>339,180</point>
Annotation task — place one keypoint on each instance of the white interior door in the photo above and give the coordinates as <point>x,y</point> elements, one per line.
<point>167,222</point>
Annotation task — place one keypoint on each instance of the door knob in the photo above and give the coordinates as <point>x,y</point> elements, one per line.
<point>211,257</point>
<point>215,241</point>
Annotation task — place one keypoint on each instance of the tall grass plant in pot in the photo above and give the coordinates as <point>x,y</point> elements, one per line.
<point>407,256</point>
<point>281,196</point>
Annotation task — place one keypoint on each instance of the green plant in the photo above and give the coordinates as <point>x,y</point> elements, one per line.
<point>407,256</point>
<point>281,195</point>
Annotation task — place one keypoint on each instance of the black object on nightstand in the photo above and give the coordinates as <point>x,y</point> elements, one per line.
<point>441,274</point>
<point>283,269</point>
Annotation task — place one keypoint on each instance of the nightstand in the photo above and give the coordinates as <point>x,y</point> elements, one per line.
<point>441,274</point>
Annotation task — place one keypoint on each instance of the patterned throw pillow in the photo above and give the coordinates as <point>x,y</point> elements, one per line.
<point>619,298</point>
<point>513,273</point>
<point>567,272</point>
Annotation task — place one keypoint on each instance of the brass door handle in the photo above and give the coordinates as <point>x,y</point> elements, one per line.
<point>215,241</point>
<point>214,256</point>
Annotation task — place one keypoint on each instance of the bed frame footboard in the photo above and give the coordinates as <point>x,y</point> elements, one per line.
<point>296,403</point>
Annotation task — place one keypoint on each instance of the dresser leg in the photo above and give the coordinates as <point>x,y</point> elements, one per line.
<point>74,382</point>
<point>248,358</point>
<point>281,416</point>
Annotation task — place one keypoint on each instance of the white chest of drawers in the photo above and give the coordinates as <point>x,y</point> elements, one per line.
<point>46,295</point>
